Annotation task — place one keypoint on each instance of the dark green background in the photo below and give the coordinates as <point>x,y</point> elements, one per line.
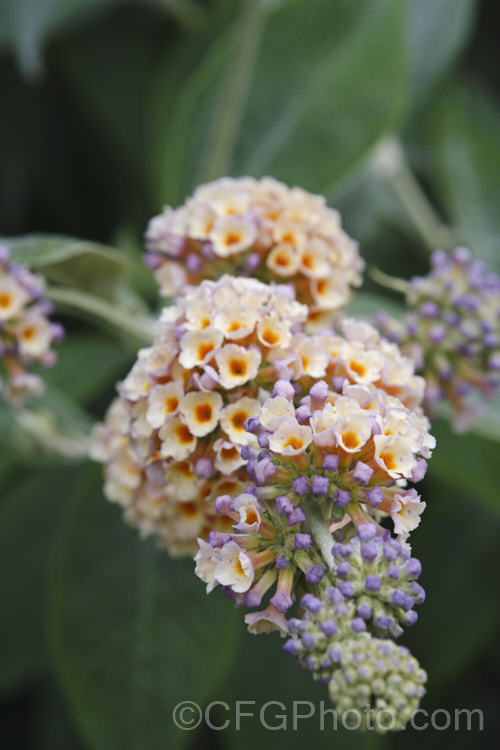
<point>109,109</point>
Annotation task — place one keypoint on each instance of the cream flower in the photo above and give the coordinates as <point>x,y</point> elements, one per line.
<point>163,403</point>
<point>201,412</point>
<point>291,438</point>
<point>206,560</point>
<point>234,568</point>
<point>13,297</point>
<point>177,441</point>
<point>34,335</point>
<point>237,365</point>
<point>249,511</point>
<point>406,512</point>
<point>199,347</point>
<point>232,234</point>
<point>233,418</point>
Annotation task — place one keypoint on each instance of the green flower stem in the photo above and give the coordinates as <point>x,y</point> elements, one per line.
<point>231,102</point>
<point>389,282</point>
<point>319,527</point>
<point>389,161</point>
<point>40,429</point>
<point>127,321</point>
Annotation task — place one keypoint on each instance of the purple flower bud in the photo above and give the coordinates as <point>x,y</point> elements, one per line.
<point>342,550</point>
<point>281,601</point>
<point>318,393</point>
<point>252,598</point>
<point>343,569</point>
<point>369,551</point>
<point>329,627</point>
<point>419,470</point>
<point>285,389</point>
<point>204,468</point>
<point>308,641</point>
<point>375,496</point>
<point>414,567</point>
<point>252,262</point>
<point>263,438</point>
<point>338,382</point>
<point>335,655</point>
<point>302,541</point>
<point>367,531</point>
<point>300,486</point>
<point>283,505</point>
<point>429,310</point>
<point>343,498</point>
<point>461,255</point>
<point>281,563</point>
<point>330,462</point>
<point>4,253</point>
<point>401,599</point>
<point>252,424</point>
<point>315,574</point>
<point>372,583</point>
<point>247,452</point>
<point>437,334</point>
<point>320,485</point>
<point>364,611</point>
<point>296,516</point>
<point>393,572</point>
<point>346,588</point>
<point>358,625</point>
<point>292,647</point>
<point>311,603</point>
<point>362,473</point>
<point>193,263</point>
<point>417,592</point>
<point>303,414</point>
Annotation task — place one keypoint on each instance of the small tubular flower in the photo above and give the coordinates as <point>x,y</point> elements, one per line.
<point>259,228</point>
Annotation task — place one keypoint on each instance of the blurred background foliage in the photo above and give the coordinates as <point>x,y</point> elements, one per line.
<point>111,108</point>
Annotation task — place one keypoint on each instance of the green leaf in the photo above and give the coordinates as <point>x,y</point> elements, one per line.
<point>132,631</point>
<point>457,543</point>
<point>466,161</point>
<point>88,364</point>
<point>28,513</point>
<point>365,305</point>
<point>467,463</point>
<point>328,82</point>
<point>439,32</point>
<point>83,265</point>
<point>28,24</point>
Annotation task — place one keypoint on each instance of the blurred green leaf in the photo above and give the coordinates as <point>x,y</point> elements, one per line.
<point>466,161</point>
<point>439,32</point>
<point>28,24</point>
<point>457,542</point>
<point>365,305</point>
<point>467,463</point>
<point>83,265</point>
<point>87,365</point>
<point>328,83</point>
<point>28,513</point>
<point>132,631</point>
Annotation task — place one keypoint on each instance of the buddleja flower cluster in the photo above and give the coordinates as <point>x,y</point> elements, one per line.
<point>173,439</point>
<point>283,454</point>
<point>258,228</point>
<point>452,332</point>
<point>26,333</point>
